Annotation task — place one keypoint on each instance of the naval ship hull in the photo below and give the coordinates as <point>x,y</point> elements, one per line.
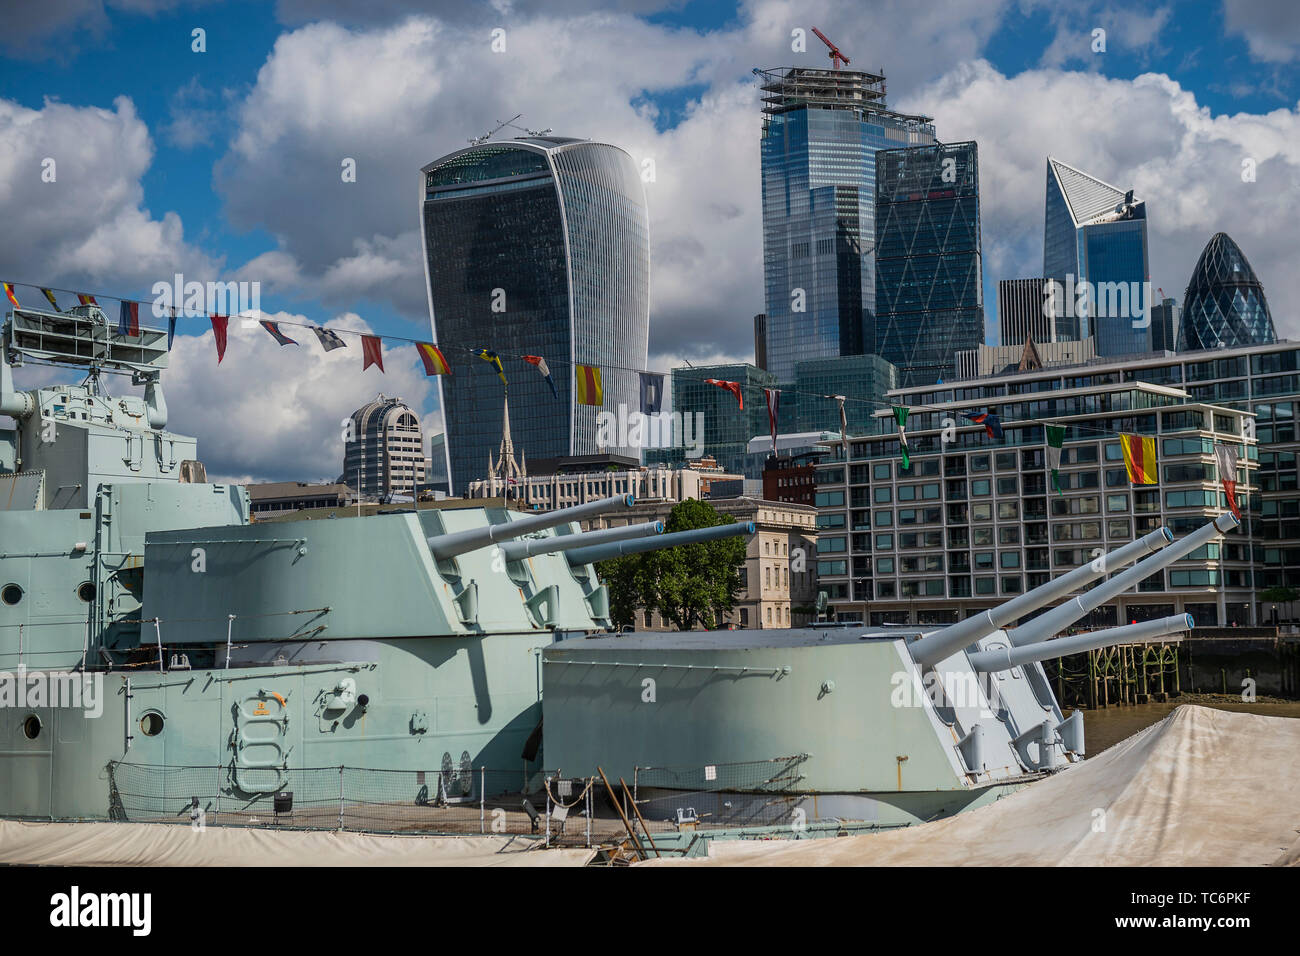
<point>430,705</point>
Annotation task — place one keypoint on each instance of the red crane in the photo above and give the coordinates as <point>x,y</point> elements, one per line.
<point>837,58</point>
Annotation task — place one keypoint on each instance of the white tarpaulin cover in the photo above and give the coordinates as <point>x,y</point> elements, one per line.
<point>1201,788</point>
<point>162,844</point>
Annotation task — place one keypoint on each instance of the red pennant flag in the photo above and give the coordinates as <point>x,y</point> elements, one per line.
<point>220,323</point>
<point>372,351</point>
<point>732,387</point>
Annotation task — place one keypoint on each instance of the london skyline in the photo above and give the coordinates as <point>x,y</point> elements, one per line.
<point>224,164</point>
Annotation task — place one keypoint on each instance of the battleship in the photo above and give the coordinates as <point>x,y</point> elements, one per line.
<point>453,640</point>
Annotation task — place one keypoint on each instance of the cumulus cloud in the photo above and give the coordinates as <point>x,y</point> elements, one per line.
<point>1148,134</point>
<point>89,224</point>
<point>393,85</point>
<point>396,95</point>
<point>195,115</point>
<point>274,412</point>
<point>1077,39</point>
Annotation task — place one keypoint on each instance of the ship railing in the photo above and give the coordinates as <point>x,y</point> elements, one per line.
<point>553,807</point>
<point>457,800</point>
<point>733,795</point>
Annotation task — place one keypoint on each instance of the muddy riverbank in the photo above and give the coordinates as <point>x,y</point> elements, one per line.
<point>1104,727</point>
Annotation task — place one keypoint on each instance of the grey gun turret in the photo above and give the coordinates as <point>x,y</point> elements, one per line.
<point>1005,658</point>
<point>445,546</point>
<point>1059,618</point>
<point>949,640</point>
<point>518,550</point>
<point>616,549</point>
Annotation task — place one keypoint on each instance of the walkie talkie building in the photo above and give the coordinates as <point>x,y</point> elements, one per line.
<point>534,246</point>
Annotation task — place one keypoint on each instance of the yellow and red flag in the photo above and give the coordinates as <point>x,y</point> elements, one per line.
<point>590,390</point>
<point>86,299</point>
<point>432,357</point>
<point>1140,458</point>
<point>9,291</point>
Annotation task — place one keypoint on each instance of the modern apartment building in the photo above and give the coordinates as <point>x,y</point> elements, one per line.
<point>974,521</point>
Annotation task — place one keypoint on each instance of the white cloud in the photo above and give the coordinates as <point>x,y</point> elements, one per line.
<point>275,412</point>
<point>394,91</point>
<point>194,116</point>
<point>90,224</point>
<point>394,97</point>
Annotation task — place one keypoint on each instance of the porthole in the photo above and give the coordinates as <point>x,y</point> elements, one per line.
<point>151,724</point>
<point>86,592</point>
<point>32,727</point>
<point>11,594</point>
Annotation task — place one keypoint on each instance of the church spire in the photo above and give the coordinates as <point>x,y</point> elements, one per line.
<point>506,468</point>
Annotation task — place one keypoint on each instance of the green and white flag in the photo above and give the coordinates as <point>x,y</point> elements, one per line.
<point>1055,439</point>
<point>900,414</point>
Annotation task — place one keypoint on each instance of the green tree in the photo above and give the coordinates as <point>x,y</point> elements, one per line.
<point>1280,595</point>
<point>691,585</point>
<point>624,579</point>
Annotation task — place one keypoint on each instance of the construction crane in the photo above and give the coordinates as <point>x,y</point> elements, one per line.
<point>836,56</point>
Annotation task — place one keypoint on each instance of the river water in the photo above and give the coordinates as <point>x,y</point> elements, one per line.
<point>1104,727</point>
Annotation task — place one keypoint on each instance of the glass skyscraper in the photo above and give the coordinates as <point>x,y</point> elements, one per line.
<point>534,246</point>
<point>821,130</point>
<point>1225,305</point>
<point>929,274</point>
<point>1096,233</point>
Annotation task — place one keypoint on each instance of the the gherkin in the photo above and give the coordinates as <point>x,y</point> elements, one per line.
<point>1225,305</point>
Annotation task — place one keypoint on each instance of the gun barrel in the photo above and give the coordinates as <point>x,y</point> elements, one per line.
<point>13,403</point>
<point>1061,617</point>
<point>517,550</point>
<point>1005,658</point>
<point>944,643</point>
<point>616,549</point>
<point>458,542</point>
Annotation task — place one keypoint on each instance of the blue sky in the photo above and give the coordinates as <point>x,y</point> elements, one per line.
<point>228,159</point>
